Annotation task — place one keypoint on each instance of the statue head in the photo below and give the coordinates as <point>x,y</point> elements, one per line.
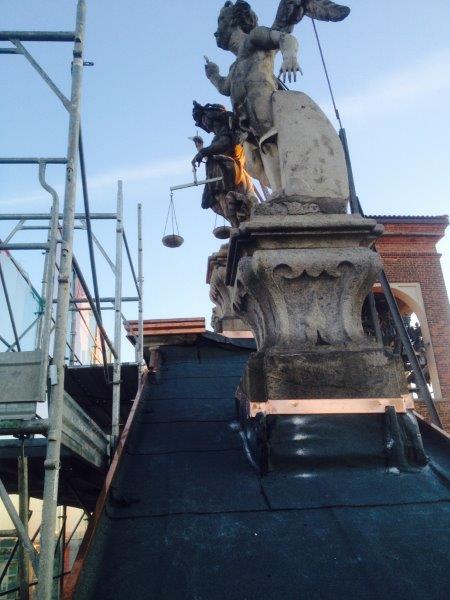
<point>208,115</point>
<point>232,16</point>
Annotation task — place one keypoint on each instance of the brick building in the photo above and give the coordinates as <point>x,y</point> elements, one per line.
<point>412,264</point>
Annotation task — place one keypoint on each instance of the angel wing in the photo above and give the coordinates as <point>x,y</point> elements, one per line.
<point>291,12</point>
<point>325,10</point>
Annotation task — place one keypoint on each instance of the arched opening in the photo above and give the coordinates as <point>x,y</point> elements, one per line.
<point>409,300</point>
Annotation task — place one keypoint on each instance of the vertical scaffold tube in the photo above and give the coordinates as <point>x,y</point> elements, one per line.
<point>52,461</point>
<point>48,280</point>
<point>117,319</point>
<point>23,513</point>
<point>140,344</point>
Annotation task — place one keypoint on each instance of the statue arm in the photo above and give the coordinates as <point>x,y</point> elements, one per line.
<point>221,144</point>
<point>222,84</point>
<point>288,45</point>
<point>271,39</point>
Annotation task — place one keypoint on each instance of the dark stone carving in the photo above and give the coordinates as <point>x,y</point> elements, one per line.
<point>233,196</point>
<point>224,317</point>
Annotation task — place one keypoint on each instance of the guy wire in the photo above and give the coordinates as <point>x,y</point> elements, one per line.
<point>326,74</point>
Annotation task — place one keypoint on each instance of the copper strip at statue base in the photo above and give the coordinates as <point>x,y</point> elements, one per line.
<point>331,406</point>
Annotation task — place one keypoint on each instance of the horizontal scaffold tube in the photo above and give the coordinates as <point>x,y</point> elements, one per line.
<point>38,36</point>
<point>18,427</point>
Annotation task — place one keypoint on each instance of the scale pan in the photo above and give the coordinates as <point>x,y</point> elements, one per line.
<point>222,233</point>
<point>172,241</point>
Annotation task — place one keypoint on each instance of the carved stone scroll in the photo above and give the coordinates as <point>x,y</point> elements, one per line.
<point>224,319</point>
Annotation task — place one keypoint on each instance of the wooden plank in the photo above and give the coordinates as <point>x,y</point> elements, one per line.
<point>71,580</point>
<point>328,406</point>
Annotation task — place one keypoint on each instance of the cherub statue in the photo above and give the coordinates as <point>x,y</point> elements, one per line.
<point>234,195</point>
<point>251,81</point>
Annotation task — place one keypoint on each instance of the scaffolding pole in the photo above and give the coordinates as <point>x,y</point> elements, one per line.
<point>40,36</point>
<point>10,310</point>
<point>49,278</point>
<point>21,533</point>
<point>115,418</point>
<point>62,542</point>
<point>91,251</point>
<point>24,503</point>
<point>140,344</point>
<point>52,462</point>
<point>73,323</point>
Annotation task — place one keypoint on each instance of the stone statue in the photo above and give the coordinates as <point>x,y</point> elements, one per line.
<point>233,196</point>
<point>298,270</point>
<point>251,82</point>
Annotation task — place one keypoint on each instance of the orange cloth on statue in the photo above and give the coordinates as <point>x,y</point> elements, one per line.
<point>241,176</point>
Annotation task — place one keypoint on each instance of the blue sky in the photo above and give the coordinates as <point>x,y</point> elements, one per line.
<point>390,67</point>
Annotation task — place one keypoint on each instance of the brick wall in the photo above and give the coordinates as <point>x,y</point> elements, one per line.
<point>443,409</point>
<point>408,251</point>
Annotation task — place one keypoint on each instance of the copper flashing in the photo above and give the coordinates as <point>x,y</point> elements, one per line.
<point>158,327</point>
<point>331,406</point>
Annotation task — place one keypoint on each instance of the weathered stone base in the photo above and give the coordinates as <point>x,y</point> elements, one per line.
<point>324,373</point>
<point>300,278</point>
<point>277,441</point>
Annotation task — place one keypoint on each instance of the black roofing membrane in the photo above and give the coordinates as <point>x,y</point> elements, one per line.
<point>189,517</point>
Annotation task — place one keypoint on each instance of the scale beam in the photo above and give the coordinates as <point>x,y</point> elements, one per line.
<point>195,183</point>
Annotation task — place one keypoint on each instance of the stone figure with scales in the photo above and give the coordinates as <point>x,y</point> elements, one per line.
<point>271,118</point>
<point>233,195</point>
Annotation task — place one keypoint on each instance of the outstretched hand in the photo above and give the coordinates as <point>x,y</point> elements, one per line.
<point>290,68</point>
<point>197,160</point>
<point>211,68</point>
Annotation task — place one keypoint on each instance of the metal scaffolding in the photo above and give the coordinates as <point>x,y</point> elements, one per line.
<point>44,377</point>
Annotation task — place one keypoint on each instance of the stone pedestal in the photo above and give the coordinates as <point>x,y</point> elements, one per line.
<point>328,373</point>
<point>299,281</point>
